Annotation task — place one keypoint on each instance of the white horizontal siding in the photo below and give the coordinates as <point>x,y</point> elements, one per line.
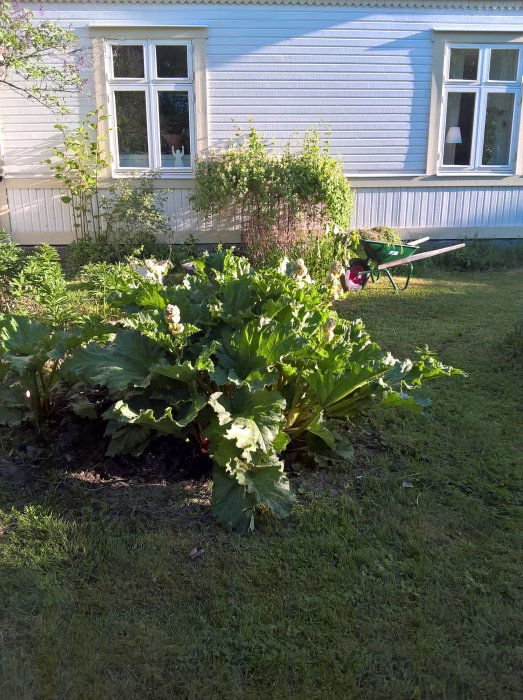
<point>38,212</point>
<point>38,215</point>
<point>438,207</point>
<point>364,71</point>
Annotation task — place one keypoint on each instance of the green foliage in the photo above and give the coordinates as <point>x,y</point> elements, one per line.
<point>132,223</point>
<point>12,256</point>
<point>30,356</point>
<point>103,278</point>
<point>242,363</point>
<point>41,273</point>
<point>479,256</point>
<point>77,164</point>
<point>41,279</point>
<point>378,233</point>
<point>38,59</point>
<point>133,217</point>
<point>280,199</point>
<point>319,253</point>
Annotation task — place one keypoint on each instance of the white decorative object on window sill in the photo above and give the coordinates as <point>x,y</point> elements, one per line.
<point>178,157</point>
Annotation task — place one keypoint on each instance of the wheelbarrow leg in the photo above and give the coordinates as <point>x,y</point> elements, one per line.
<point>409,275</point>
<point>393,282</point>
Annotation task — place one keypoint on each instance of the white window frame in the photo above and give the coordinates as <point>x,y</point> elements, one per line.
<point>466,36</point>
<point>151,85</point>
<point>482,87</point>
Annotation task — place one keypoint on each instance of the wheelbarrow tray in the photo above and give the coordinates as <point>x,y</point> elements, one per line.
<point>385,255</point>
<point>383,252</point>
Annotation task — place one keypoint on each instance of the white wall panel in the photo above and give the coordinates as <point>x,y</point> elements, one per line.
<point>38,212</point>
<point>438,207</point>
<point>364,71</point>
<point>39,215</point>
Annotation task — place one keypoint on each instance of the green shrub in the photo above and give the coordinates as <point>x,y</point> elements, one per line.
<point>40,274</point>
<point>479,256</point>
<point>280,199</point>
<point>243,363</point>
<point>77,164</point>
<point>41,281</point>
<point>12,256</point>
<point>31,353</point>
<point>131,218</point>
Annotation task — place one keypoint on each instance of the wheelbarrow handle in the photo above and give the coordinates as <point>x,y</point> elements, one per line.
<point>418,241</point>
<point>420,256</point>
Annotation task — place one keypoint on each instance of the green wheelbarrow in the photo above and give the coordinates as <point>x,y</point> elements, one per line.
<point>381,256</point>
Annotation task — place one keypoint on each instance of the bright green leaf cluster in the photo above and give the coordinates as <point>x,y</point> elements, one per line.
<point>38,59</point>
<point>77,164</point>
<point>254,362</point>
<point>281,198</point>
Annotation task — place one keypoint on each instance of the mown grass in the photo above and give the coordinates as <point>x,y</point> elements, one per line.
<point>370,590</point>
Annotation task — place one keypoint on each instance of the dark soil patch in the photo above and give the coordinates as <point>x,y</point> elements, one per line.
<point>80,449</point>
<point>69,467</point>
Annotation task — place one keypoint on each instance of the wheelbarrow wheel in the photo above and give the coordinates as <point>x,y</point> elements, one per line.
<point>357,276</point>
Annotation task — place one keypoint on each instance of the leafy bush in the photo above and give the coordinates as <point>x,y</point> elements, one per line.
<point>280,199</point>
<point>132,222</point>
<point>30,356</point>
<point>479,256</point>
<point>41,280</point>
<point>41,272</point>
<point>12,256</point>
<point>133,217</point>
<point>243,363</point>
<point>77,163</point>
<point>11,262</point>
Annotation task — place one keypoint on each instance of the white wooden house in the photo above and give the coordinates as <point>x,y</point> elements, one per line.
<point>423,98</point>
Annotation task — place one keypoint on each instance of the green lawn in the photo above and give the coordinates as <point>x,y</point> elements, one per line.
<point>370,590</point>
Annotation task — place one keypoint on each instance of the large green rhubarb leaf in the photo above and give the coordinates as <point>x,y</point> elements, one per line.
<point>12,404</point>
<point>25,342</point>
<point>232,505</point>
<point>162,419</point>
<point>239,489</point>
<point>250,420</point>
<point>126,362</point>
<point>127,438</point>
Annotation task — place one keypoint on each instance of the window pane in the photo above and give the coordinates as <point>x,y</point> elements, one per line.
<point>128,61</point>
<point>171,62</point>
<point>175,140</point>
<point>498,128</point>
<point>459,126</point>
<point>464,64</point>
<point>131,124</point>
<point>503,64</point>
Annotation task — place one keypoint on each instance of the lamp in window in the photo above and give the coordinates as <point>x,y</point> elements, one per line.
<point>454,135</point>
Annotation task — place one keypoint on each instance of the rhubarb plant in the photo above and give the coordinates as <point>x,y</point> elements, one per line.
<point>31,354</point>
<point>245,364</point>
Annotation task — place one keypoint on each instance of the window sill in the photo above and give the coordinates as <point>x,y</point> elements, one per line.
<point>467,173</point>
<point>158,176</point>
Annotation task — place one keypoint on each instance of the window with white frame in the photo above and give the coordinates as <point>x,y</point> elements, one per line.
<point>480,108</point>
<point>151,104</point>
